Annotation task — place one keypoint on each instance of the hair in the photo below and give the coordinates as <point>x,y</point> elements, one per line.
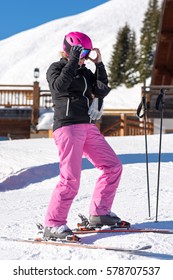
<point>63,54</point>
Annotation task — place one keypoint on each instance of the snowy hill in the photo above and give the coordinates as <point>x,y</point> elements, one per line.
<point>29,172</point>
<point>40,46</point>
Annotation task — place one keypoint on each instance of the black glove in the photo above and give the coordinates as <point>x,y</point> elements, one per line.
<point>75,52</point>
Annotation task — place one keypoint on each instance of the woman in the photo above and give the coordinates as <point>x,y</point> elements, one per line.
<point>77,95</point>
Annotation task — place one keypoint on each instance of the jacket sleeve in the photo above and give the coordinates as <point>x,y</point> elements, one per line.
<point>101,73</point>
<point>101,88</point>
<point>59,77</point>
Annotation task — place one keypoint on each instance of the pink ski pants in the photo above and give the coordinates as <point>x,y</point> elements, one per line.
<point>73,142</point>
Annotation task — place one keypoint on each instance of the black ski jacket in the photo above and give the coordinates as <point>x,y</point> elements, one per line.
<point>72,90</point>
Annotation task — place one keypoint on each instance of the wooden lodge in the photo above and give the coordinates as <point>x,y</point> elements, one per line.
<point>162,72</point>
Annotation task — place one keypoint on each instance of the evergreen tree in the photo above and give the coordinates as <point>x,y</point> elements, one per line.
<point>119,56</point>
<point>148,39</point>
<point>131,75</point>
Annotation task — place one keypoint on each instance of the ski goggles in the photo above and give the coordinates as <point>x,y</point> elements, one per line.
<point>84,53</point>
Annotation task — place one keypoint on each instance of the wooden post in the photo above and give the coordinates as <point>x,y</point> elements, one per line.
<point>125,125</point>
<point>36,103</point>
<point>122,125</point>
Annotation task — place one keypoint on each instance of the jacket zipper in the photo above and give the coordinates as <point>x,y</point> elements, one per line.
<point>68,99</point>
<point>88,103</point>
<point>85,91</point>
<point>67,106</point>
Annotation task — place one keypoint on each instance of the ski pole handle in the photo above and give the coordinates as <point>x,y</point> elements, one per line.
<point>141,105</point>
<point>160,99</point>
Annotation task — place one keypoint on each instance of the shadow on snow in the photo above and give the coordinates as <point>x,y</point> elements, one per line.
<point>148,254</point>
<point>36,174</point>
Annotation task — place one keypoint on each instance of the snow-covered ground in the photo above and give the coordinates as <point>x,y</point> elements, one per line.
<point>29,169</point>
<point>29,172</point>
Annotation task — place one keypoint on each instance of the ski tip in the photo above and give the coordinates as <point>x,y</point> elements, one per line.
<point>146,247</point>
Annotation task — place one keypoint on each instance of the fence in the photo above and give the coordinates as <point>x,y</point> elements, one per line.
<point>12,96</point>
<point>45,99</point>
<point>122,124</point>
<point>17,96</point>
<point>113,122</point>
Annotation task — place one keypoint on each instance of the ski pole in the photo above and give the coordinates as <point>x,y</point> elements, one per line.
<point>143,105</point>
<point>159,106</point>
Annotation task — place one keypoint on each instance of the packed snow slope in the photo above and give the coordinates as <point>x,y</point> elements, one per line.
<point>29,171</point>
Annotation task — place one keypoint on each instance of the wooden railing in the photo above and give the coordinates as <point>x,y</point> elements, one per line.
<point>16,95</point>
<point>12,96</point>
<point>45,99</point>
<point>23,95</point>
<point>114,129</point>
<point>137,127</point>
<point>124,124</point>
<point>113,123</point>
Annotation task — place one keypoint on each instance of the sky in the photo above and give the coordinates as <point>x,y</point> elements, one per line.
<point>20,15</point>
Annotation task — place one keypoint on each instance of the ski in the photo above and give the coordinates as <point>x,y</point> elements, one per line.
<point>122,230</point>
<point>120,227</point>
<point>40,241</point>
